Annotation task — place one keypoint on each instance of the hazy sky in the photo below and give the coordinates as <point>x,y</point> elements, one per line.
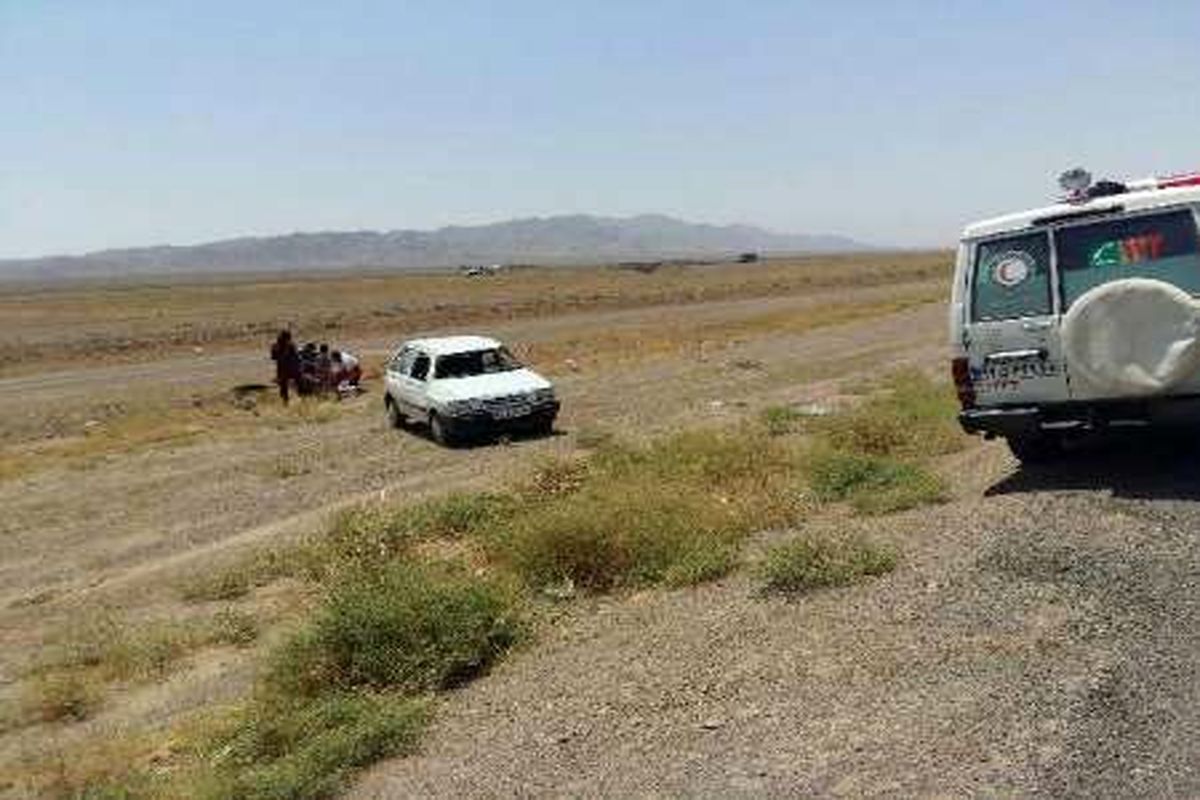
<point>131,123</point>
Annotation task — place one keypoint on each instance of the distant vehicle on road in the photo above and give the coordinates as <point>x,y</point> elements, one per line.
<point>481,270</point>
<point>1080,316</point>
<point>466,387</point>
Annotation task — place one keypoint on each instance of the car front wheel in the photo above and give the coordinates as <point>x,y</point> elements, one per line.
<point>440,431</point>
<point>395,416</point>
<point>544,426</point>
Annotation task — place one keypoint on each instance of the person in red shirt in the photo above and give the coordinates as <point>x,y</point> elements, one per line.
<point>346,372</point>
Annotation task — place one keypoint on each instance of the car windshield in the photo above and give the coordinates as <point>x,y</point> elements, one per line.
<point>1161,246</point>
<point>476,362</point>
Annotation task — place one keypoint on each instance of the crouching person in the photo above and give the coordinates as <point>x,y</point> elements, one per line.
<point>346,373</point>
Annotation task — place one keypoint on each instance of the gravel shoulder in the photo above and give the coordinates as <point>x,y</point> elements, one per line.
<point>1038,639</point>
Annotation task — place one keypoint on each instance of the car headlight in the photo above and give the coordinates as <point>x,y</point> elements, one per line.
<point>543,395</point>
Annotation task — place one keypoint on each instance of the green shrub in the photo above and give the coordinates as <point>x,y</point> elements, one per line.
<point>811,562</point>
<point>461,514</point>
<point>909,486</point>
<point>866,430</point>
<point>670,511</point>
<point>836,474</point>
<point>701,565</point>
<point>621,533</point>
<point>406,626</point>
<point>718,458</point>
<point>308,750</point>
<point>872,484</point>
<point>368,533</point>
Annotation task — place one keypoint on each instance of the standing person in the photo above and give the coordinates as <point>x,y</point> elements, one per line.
<point>324,369</point>
<point>287,363</point>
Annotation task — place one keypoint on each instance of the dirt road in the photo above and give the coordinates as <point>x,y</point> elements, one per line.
<point>120,529</point>
<point>1040,638</point>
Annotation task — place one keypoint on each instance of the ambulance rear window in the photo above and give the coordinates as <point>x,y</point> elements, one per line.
<point>1162,246</point>
<point>1012,277</point>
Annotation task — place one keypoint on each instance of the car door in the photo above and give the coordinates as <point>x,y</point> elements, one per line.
<point>395,372</point>
<point>414,385</point>
<point>1012,332</point>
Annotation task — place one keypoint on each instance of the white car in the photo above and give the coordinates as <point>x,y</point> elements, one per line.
<point>1080,316</point>
<point>466,386</point>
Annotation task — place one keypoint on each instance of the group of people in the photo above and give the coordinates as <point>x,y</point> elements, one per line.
<point>313,369</point>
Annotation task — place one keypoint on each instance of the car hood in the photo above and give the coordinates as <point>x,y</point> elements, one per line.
<point>483,387</point>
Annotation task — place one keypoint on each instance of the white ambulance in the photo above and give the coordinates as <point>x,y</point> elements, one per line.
<point>1080,316</point>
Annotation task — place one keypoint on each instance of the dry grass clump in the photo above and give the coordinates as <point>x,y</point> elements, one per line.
<point>233,627</point>
<point>358,537</point>
<point>618,534</point>
<point>116,651</point>
<point>103,767</point>
<point>780,420</point>
<point>62,696</point>
<point>910,417</point>
<point>460,515</point>
<point>239,579</point>
<point>812,562</point>
<point>876,454</point>
<point>68,682</point>
<point>671,511</point>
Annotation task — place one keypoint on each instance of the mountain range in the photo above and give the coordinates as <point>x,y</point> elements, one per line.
<point>557,239</point>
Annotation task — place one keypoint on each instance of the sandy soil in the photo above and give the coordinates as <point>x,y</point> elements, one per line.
<point>1038,638</point>
<point>120,530</point>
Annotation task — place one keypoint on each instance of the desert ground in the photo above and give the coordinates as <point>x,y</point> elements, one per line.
<point>1037,636</point>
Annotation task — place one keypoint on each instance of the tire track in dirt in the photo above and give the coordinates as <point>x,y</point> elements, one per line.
<point>134,522</point>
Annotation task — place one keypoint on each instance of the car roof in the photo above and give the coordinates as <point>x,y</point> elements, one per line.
<point>1127,202</point>
<point>449,345</point>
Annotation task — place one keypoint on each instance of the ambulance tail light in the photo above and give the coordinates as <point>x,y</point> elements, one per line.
<point>960,370</point>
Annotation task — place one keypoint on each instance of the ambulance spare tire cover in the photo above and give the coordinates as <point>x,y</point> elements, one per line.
<point>1133,337</point>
